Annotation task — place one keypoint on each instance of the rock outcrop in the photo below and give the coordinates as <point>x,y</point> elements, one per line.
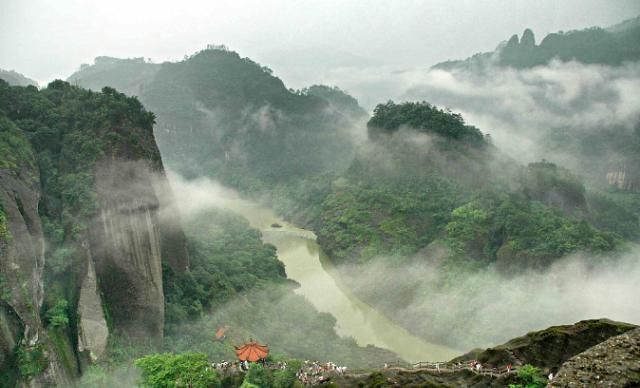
<point>22,263</point>
<point>92,325</point>
<point>86,175</point>
<point>22,248</point>
<point>528,40</point>
<point>548,349</point>
<point>621,176</point>
<point>126,247</point>
<point>612,363</point>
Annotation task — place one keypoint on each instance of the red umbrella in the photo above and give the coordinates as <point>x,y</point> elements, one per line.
<point>252,351</point>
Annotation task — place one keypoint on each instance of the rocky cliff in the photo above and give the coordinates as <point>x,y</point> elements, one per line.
<point>621,176</point>
<point>549,348</point>
<point>126,247</point>
<point>87,221</point>
<point>612,363</point>
<point>22,262</point>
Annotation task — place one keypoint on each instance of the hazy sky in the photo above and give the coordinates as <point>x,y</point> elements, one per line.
<point>303,41</point>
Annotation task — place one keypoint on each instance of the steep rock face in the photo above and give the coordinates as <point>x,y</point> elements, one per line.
<point>612,363</point>
<point>126,247</point>
<point>22,248</point>
<point>92,325</point>
<point>528,40</point>
<point>21,270</point>
<point>172,238</point>
<point>10,329</point>
<point>82,171</point>
<point>622,177</point>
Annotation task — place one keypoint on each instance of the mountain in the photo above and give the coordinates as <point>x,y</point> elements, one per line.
<point>426,218</point>
<point>222,115</point>
<point>611,46</point>
<point>96,267</point>
<point>431,220</point>
<point>16,79</point>
<point>87,224</point>
<point>598,352</point>
<point>563,119</point>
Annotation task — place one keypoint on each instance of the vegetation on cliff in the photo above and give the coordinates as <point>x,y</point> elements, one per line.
<point>454,208</point>
<point>50,140</point>
<point>237,281</point>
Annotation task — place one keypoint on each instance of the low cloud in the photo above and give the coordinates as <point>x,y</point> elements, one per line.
<point>196,196</point>
<point>521,109</point>
<point>486,308</point>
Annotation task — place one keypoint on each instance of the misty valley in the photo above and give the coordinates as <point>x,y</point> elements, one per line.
<point>198,223</point>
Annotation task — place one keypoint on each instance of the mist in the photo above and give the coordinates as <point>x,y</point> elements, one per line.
<point>487,308</point>
<point>269,312</point>
<point>482,308</point>
<point>303,43</point>
<point>520,107</point>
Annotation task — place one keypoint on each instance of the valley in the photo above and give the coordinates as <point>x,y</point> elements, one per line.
<point>196,221</point>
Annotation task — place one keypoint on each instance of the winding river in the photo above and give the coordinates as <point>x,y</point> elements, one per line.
<point>320,284</point>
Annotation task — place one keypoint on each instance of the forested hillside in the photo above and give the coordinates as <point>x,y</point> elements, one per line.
<point>222,115</point>
<point>432,193</point>
<point>566,99</point>
<point>16,79</point>
<point>96,268</point>
<point>64,196</point>
<point>334,204</point>
<point>425,188</point>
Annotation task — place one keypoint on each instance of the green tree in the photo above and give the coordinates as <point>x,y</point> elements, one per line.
<point>58,316</point>
<point>287,378</point>
<point>257,376</point>
<point>529,377</point>
<point>190,370</point>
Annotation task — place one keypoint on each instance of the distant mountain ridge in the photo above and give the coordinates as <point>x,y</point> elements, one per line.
<point>14,78</point>
<point>595,45</point>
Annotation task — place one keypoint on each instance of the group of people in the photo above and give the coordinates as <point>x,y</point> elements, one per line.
<point>231,366</point>
<point>313,372</point>
<point>475,366</point>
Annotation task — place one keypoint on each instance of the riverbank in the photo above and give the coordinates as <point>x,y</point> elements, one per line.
<point>306,263</point>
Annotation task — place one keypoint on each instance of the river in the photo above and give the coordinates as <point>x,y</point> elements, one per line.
<point>320,284</point>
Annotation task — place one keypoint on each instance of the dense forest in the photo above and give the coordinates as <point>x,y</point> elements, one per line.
<point>106,279</point>
<point>53,143</point>
<point>224,115</point>
<point>424,180</point>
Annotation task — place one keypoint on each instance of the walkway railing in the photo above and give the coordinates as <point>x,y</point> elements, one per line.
<point>450,367</point>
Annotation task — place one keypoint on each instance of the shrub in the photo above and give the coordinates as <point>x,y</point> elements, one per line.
<point>57,316</point>
<point>174,371</point>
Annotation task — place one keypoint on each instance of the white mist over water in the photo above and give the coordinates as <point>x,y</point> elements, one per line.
<point>487,308</point>
<point>306,264</point>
